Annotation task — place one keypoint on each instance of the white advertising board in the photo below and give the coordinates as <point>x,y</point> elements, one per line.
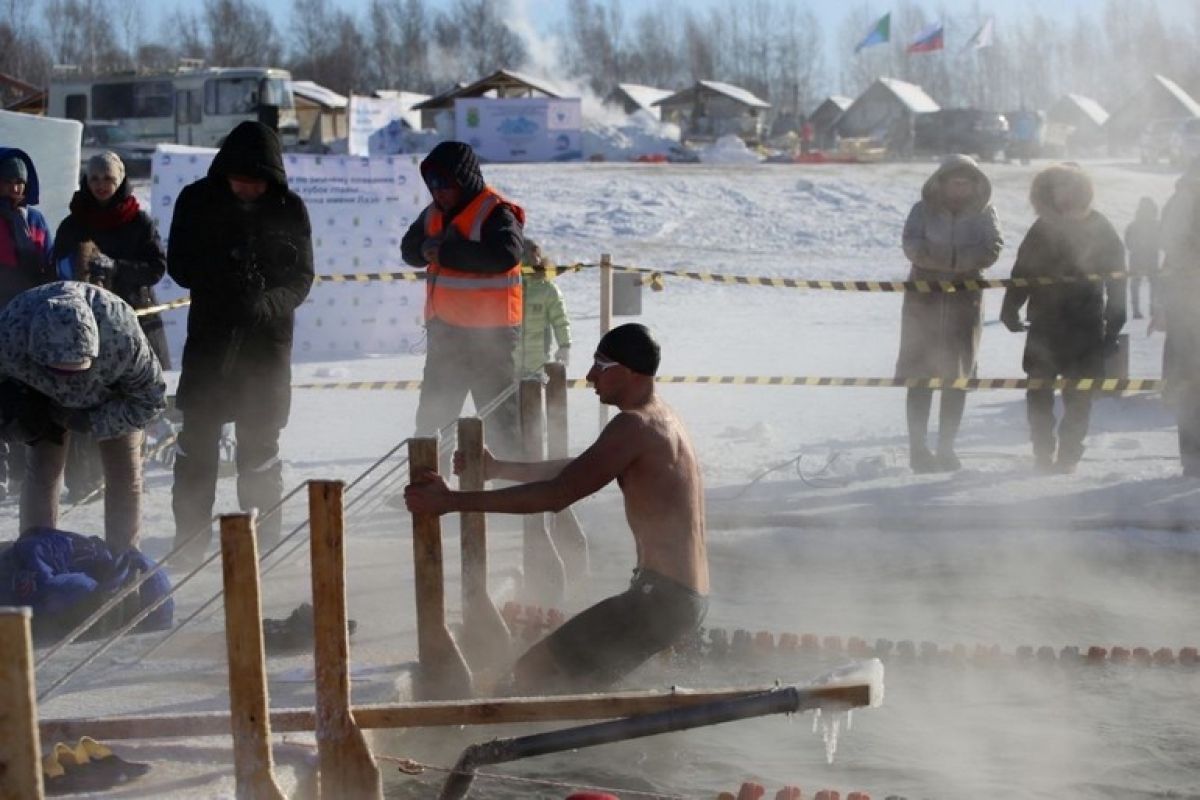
<point>376,127</point>
<point>359,209</point>
<point>516,129</point>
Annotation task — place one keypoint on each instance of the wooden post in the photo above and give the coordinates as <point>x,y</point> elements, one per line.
<point>20,746</point>
<point>545,578</point>
<point>606,282</point>
<point>566,531</point>
<point>346,766</point>
<point>248,707</point>
<point>486,638</point>
<point>443,673</point>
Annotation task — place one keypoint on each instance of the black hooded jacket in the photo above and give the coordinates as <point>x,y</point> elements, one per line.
<point>248,267</point>
<point>500,240</point>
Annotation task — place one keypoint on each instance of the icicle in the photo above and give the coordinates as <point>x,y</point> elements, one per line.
<point>816,719</point>
<point>829,732</point>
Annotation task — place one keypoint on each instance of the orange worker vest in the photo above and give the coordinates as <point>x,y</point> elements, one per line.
<point>472,299</point>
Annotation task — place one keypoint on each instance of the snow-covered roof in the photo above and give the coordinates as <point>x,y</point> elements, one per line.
<point>500,79</point>
<point>319,94</point>
<point>1179,94</point>
<point>1089,107</point>
<point>644,96</point>
<point>408,99</point>
<point>912,96</point>
<point>735,93</point>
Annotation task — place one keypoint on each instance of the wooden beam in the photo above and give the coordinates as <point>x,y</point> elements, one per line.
<point>443,672</point>
<point>429,715</point>
<point>565,530</point>
<point>346,766</point>
<point>486,639</point>
<point>543,572</point>
<point>249,721</point>
<point>20,748</point>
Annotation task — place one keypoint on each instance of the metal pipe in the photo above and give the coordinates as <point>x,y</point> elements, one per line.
<point>777,701</point>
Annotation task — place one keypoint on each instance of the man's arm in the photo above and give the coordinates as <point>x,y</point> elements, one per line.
<point>499,247</point>
<point>619,445</point>
<point>528,471</point>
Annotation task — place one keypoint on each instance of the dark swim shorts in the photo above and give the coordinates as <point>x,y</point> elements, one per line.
<point>612,638</point>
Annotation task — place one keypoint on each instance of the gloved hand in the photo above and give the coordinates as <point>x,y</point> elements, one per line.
<point>563,355</point>
<point>1112,344</point>
<point>1012,321</point>
<point>100,270</point>
<point>429,250</point>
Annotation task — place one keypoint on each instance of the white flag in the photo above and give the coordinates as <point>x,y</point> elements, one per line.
<point>983,36</point>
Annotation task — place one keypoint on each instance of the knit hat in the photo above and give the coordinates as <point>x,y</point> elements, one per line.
<point>13,168</point>
<point>631,345</point>
<point>107,163</point>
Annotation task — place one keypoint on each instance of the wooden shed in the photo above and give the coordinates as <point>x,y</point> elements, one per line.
<point>709,110</point>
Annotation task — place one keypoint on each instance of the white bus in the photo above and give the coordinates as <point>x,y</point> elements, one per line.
<point>196,107</point>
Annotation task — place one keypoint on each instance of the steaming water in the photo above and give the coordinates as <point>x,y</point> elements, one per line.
<point>943,731</point>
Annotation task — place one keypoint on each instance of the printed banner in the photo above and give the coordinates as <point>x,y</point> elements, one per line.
<point>360,209</point>
<point>521,129</point>
<point>375,126</point>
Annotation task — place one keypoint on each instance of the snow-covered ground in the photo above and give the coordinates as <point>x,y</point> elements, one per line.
<point>816,524</point>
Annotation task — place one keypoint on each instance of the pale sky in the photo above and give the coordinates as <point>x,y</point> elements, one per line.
<point>546,16</point>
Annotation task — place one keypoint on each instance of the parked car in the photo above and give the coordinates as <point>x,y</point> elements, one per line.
<point>961,130</point>
<point>1185,143</point>
<point>1154,143</point>
<point>101,136</point>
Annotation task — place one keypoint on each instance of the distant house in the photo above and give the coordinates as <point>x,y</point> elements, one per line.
<point>711,109</point>
<point>17,95</point>
<point>885,112</point>
<point>634,97</point>
<point>501,83</point>
<point>1158,98</point>
<point>1076,124</point>
<point>321,113</point>
<point>823,119</point>
<point>416,120</point>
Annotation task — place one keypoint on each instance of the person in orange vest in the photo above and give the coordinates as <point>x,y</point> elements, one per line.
<point>470,240</point>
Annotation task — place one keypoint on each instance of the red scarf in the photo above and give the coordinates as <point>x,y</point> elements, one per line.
<point>103,218</point>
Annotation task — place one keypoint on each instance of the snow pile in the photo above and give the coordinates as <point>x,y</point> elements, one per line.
<point>729,149</point>
<point>639,134</point>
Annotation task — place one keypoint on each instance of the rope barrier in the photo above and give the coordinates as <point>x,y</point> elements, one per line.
<point>352,505</point>
<point>654,278</point>
<point>966,384</point>
<point>407,276</point>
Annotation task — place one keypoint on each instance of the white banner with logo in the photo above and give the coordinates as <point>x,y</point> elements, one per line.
<point>360,209</point>
<point>517,129</point>
<point>375,126</point>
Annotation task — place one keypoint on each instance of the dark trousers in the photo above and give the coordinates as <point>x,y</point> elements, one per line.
<point>950,413</point>
<point>1077,405</point>
<point>478,361</point>
<point>259,478</point>
<point>121,462</point>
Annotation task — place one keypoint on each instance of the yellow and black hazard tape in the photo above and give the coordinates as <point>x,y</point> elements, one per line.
<point>654,279</point>
<point>970,384</point>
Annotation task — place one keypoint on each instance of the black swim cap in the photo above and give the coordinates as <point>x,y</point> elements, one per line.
<point>631,345</point>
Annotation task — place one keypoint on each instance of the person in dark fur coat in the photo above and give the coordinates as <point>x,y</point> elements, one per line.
<point>241,241</point>
<point>1072,326</point>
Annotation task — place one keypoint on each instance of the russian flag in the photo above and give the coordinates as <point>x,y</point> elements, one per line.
<point>930,39</point>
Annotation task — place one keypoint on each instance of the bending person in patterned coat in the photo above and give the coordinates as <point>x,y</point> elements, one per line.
<point>81,350</point>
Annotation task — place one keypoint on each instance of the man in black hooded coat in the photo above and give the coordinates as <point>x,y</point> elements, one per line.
<point>242,243</point>
<point>470,240</point>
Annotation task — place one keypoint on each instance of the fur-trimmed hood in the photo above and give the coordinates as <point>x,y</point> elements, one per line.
<point>1077,199</point>
<point>958,163</point>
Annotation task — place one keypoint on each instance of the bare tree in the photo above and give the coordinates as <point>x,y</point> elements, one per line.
<point>240,33</point>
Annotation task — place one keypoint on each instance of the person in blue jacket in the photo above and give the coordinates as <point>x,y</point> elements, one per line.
<point>25,247</point>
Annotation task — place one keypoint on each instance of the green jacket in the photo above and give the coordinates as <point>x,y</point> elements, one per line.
<point>544,313</point>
